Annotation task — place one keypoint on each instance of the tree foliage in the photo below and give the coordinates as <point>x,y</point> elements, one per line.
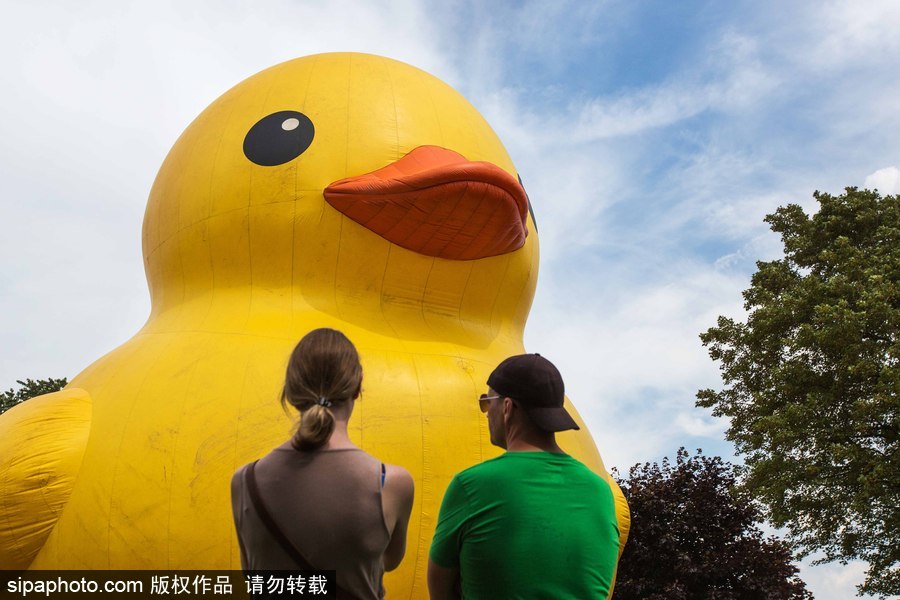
<point>29,389</point>
<point>691,537</point>
<point>812,381</point>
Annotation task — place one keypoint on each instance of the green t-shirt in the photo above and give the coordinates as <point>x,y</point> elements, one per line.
<point>529,525</point>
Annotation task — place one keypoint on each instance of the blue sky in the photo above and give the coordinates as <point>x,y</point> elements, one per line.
<point>652,137</point>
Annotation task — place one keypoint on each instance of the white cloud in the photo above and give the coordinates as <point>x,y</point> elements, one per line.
<point>833,581</point>
<point>700,426</point>
<point>637,111</point>
<point>745,78</point>
<point>886,181</point>
<point>849,33</point>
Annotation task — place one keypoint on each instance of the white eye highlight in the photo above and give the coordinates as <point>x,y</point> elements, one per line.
<point>290,124</point>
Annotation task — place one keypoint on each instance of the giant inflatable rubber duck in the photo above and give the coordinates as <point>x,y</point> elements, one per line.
<point>338,190</point>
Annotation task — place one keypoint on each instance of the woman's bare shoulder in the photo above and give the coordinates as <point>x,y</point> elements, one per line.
<point>400,480</point>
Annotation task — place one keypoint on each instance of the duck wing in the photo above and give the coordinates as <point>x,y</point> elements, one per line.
<point>42,442</point>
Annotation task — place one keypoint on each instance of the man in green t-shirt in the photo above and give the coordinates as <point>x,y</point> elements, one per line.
<point>533,522</point>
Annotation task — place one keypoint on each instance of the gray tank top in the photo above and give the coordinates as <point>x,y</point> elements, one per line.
<point>328,503</point>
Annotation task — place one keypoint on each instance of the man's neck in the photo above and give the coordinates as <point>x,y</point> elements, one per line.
<point>533,445</point>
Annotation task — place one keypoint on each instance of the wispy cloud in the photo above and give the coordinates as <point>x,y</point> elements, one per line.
<point>849,34</point>
<point>732,79</point>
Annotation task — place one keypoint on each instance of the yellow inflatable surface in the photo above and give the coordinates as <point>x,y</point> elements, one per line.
<point>338,190</point>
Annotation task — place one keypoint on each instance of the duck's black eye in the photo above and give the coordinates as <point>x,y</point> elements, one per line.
<point>279,138</point>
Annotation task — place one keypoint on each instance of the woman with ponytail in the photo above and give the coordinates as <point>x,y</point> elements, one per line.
<point>318,501</point>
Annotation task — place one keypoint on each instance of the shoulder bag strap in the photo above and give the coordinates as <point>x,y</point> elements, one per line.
<point>276,532</point>
<point>267,520</point>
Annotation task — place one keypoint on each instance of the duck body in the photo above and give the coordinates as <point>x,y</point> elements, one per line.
<point>258,231</point>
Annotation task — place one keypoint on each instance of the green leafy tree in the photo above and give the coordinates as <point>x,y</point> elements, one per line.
<point>812,382</point>
<point>693,537</point>
<point>29,389</point>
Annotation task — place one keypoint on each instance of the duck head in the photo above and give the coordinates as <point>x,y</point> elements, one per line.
<point>348,184</point>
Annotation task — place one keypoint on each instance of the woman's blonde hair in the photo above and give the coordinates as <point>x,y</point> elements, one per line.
<point>323,370</point>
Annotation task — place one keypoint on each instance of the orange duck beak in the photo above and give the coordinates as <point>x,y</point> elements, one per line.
<point>435,202</point>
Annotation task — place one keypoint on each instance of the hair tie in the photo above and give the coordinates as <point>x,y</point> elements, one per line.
<point>324,402</point>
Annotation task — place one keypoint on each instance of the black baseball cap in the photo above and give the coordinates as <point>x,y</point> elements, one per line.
<point>533,381</point>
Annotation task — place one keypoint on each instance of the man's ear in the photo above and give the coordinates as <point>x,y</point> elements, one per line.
<point>508,405</point>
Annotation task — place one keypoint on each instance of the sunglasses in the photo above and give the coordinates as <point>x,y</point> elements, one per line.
<point>484,401</point>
